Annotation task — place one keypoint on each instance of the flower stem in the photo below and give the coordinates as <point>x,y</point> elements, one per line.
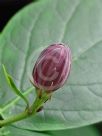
<point>13,119</point>
<point>28,112</point>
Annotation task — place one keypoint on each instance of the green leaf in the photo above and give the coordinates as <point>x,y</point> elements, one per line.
<point>13,86</point>
<point>74,22</point>
<point>13,131</point>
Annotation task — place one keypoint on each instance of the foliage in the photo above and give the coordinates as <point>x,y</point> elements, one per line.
<point>74,22</point>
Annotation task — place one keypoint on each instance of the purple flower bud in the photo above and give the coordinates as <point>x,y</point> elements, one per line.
<point>52,67</point>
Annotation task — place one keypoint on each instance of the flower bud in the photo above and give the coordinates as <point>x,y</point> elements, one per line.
<point>52,67</point>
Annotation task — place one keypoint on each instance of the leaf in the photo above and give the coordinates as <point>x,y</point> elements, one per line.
<point>13,86</point>
<point>74,22</point>
<point>87,131</point>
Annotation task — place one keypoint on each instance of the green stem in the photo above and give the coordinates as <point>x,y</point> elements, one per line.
<point>13,119</point>
<point>40,101</point>
<point>27,113</point>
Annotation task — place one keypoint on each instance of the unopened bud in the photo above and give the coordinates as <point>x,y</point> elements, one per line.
<point>52,67</point>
